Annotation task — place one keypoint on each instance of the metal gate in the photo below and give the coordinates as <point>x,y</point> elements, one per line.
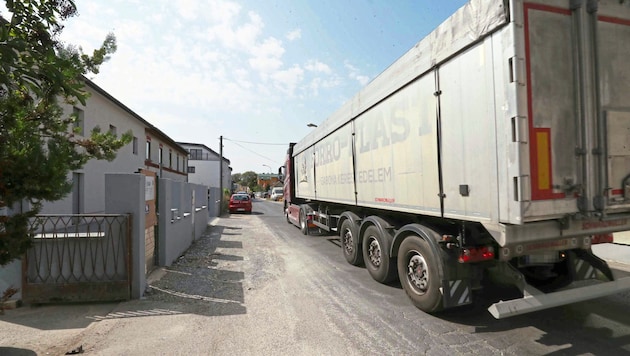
<point>78,258</point>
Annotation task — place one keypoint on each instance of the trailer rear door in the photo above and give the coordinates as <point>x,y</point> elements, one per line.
<point>578,106</point>
<point>613,51</point>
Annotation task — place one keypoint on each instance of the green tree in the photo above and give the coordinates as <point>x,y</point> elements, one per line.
<point>37,145</point>
<point>236,177</point>
<point>249,179</point>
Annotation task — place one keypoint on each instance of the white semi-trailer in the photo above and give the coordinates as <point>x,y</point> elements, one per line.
<point>496,149</point>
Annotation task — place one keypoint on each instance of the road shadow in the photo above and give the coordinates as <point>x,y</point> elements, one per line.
<point>57,316</point>
<point>195,283</point>
<point>244,213</point>
<point>599,326</point>
<point>15,351</point>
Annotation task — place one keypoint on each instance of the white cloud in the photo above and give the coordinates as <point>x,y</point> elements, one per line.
<point>188,9</point>
<point>231,36</point>
<point>362,79</point>
<point>288,80</point>
<point>294,35</point>
<point>317,66</point>
<point>353,73</point>
<point>266,57</point>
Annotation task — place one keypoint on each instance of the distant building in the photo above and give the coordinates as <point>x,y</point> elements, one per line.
<point>203,166</point>
<point>269,180</point>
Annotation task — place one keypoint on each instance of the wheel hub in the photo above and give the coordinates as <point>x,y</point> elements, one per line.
<point>348,242</point>
<point>417,273</point>
<point>374,252</point>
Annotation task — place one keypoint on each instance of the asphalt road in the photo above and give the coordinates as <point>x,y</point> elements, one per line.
<point>254,285</point>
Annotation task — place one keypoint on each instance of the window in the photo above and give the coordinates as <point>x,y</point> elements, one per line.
<point>196,153</point>
<point>191,169</point>
<point>160,155</point>
<point>170,159</point>
<point>147,154</point>
<point>112,129</point>
<point>78,124</point>
<point>135,145</point>
<point>178,163</point>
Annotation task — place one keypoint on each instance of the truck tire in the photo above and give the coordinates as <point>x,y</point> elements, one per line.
<point>303,222</point>
<point>376,256</point>
<point>350,244</point>
<point>286,212</point>
<point>418,274</point>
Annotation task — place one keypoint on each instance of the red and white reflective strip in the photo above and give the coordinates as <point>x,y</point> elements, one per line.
<point>601,239</point>
<point>476,254</point>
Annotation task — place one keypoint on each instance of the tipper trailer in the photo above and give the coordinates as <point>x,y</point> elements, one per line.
<point>496,149</point>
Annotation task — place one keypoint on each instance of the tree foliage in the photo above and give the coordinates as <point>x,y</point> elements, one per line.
<point>38,147</point>
<point>236,177</point>
<point>249,179</point>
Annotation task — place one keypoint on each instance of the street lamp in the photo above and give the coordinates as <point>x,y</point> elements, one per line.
<point>311,125</point>
<point>268,167</point>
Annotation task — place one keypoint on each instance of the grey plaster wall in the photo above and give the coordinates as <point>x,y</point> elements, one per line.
<point>124,194</point>
<point>214,202</point>
<point>183,217</point>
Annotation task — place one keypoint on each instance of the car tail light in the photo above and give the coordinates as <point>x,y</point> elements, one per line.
<point>601,239</point>
<point>476,254</point>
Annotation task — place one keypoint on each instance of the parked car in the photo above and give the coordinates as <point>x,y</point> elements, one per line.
<point>277,193</point>
<point>240,203</point>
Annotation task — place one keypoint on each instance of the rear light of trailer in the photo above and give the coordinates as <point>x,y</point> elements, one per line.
<point>601,239</point>
<point>476,254</point>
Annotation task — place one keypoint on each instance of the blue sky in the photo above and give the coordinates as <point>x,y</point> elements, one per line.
<point>253,71</point>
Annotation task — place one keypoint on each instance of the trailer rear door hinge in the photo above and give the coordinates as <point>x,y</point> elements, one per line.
<point>517,70</point>
<point>519,129</point>
<point>521,188</point>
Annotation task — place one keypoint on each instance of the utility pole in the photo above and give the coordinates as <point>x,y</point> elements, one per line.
<point>220,174</point>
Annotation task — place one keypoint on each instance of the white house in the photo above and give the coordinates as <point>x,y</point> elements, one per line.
<point>204,168</point>
<point>150,150</point>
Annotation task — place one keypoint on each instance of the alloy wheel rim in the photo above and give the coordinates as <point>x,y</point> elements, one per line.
<point>348,242</point>
<point>418,273</point>
<point>374,252</point>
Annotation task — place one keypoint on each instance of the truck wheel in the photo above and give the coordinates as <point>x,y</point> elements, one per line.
<point>418,273</point>
<point>286,213</point>
<point>376,256</point>
<point>350,244</point>
<point>303,222</point>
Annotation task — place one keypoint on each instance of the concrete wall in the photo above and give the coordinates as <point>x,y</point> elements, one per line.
<point>214,202</point>
<point>125,194</point>
<point>183,217</point>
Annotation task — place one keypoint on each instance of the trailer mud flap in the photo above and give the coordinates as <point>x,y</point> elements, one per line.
<point>456,293</point>
<point>531,303</point>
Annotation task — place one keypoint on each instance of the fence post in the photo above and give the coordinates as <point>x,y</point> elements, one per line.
<point>124,194</point>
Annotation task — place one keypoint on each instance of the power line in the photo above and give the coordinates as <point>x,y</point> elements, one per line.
<point>254,152</point>
<point>258,143</point>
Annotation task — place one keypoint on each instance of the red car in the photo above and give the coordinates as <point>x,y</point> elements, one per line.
<point>240,203</point>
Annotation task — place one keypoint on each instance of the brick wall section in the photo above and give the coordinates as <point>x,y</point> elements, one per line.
<point>149,248</point>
